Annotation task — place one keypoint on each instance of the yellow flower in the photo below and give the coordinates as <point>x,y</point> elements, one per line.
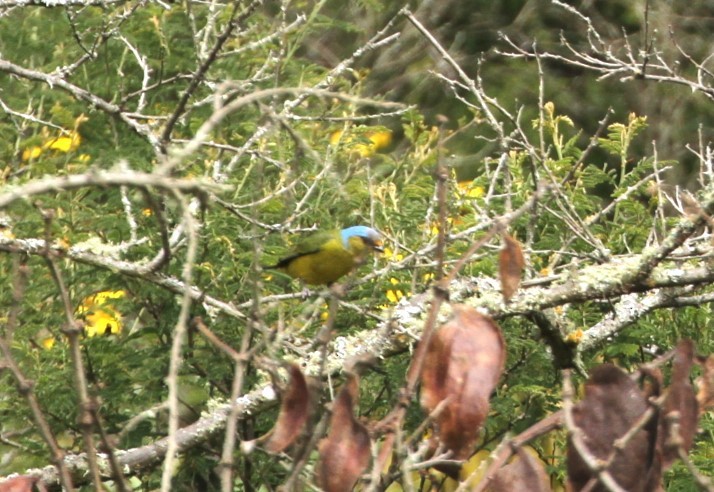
<point>574,337</point>
<point>102,322</point>
<point>394,295</point>
<point>335,137</point>
<point>433,228</point>
<point>468,190</point>
<point>48,343</point>
<point>392,255</point>
<point>102,297</point>
<point>100,316</point>
<point>68,143</point>
<point>368,143</point>
<point>325,313</point>
<point>31,153</point>
<point>6,232</point>
<point>45,339</point>
<point>380,139</point>
<point>63,243</point>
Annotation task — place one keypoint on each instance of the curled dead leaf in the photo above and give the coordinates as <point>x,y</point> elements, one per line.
<point>345,452</point>
<point>23,483</point>
<point>525,473</point>
<point>612,407</point>
<point>510,266</point>
<point>461,369</point>
<point>294,410</point>
<point>680,410</point>
<point>705,384</point>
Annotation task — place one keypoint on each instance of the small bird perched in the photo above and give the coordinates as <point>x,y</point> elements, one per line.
<point>324,257</point>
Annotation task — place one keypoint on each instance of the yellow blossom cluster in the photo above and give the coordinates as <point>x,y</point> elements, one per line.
<point>364,144</point>
<point>100,316</point>
<point>67,141</point>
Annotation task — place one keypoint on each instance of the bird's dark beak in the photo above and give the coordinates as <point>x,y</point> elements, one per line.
<point>377,246</point>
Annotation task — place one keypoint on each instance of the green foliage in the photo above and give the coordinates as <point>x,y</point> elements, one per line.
<point>284,176</point>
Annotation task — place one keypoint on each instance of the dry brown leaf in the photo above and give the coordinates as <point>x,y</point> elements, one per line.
<point>681,399</point>
<point>294,410</point>
<point>462,367</point>
<point>705,383</point>
<point>612,405</point>
<point>345,452</point>
<point>510,266</point>
<point>526,473</point>
<point>19,484</point>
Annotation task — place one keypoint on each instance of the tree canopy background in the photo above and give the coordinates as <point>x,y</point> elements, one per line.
<point>155,155</point>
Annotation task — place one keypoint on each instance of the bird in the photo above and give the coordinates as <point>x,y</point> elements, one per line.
<point>324,257</point>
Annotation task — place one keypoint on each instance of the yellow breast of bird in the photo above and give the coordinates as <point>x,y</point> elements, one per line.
<point>324,266</point>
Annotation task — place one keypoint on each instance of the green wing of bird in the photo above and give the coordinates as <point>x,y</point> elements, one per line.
<point>309,245</point>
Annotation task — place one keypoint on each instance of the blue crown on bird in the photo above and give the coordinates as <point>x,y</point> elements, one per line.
<point>370,236</point>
